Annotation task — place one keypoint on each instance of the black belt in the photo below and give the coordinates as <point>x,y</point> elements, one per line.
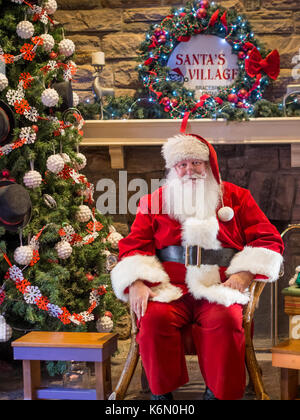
<point>195,255</point>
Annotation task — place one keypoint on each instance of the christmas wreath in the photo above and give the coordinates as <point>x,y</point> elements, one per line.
<point>256,67</point>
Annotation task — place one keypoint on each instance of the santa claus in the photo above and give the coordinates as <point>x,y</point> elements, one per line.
<point>195,246</point>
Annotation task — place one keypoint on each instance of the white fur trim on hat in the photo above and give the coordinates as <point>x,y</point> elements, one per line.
<point>257,260</point>
<point>143,267</point>
<point>183,147</point>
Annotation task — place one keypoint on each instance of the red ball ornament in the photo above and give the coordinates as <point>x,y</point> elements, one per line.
<point>243,94</point>
<point>167,108</point>
<point>201,13</point>
<point>35,128</point>
<point>232,97</point>
<point>53,55</point>
<point>165,101</point>
<point>240,104</point>
<point>162,39</point>
<point>5,174</point>
<point>174,103</point>
<point>241,55</point>
<point>157,32</point>
<point>108,313</point>
<point>204,4</point>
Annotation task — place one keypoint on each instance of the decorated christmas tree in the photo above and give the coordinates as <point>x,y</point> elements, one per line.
<point>55,245</point>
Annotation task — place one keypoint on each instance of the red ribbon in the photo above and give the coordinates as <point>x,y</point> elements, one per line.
<point>223,20</point>
<point>184,122</point>
<point>255,64</point>
<point>201,102</point>
<point>214,18</point>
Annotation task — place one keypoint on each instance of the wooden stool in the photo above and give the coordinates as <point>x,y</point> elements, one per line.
<point>81,347</point>
<point>286,355</point>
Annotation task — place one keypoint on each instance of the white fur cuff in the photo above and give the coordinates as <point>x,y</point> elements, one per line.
<point>261,261</point>
<point>144,267</point>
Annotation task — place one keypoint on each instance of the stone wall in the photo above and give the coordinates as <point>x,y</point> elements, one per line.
<point>117,27</point>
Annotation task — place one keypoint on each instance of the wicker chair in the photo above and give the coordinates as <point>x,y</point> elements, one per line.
<point>254,370</point>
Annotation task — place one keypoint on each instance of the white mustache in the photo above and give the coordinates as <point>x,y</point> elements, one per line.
<point>194,176</point>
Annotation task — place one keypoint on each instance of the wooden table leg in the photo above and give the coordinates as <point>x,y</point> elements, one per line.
<point>31,378</point>
<point>103,379</point>
<point>289,384</point>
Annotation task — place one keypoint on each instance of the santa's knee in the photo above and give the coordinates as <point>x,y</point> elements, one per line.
<point>157,319</point>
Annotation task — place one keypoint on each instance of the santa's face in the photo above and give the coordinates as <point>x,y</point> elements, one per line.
<point>190,168</point>
<point>191,191</point>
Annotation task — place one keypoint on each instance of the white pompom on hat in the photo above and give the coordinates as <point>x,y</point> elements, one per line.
<point>191,146</point>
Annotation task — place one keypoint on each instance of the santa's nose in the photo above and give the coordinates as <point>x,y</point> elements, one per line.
<point>190,169</point>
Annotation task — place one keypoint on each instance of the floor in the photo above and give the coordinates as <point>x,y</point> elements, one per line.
<point>11,378</point>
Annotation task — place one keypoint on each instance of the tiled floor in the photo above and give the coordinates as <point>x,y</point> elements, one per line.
<point>11,379</point>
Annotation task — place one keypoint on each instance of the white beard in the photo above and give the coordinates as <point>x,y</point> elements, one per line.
<point>185,197</point>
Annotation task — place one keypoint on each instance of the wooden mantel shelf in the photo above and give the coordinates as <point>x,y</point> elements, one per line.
<point>119,133</point>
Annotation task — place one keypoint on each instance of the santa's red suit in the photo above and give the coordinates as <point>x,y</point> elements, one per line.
<point>192,293</point>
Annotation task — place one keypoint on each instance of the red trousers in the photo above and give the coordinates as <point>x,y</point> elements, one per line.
<point>219,339</point>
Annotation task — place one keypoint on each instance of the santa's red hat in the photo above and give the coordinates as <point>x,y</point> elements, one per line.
<point>191,146</point>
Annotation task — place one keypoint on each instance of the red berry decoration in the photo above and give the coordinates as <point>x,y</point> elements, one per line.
<point>89,277</point>
<point>232,97</point>
<point>201,13</point>
<point>53,55</point>
<point>35,128</point>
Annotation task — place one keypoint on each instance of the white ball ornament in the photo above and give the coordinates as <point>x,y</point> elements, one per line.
<point>78,166</point>
<point>50,7</point>
<point>64,250</point>
<point>23,255</point>
<point>5,330</point>
<point>55,164</point>
<point>48,43</point>
<point>25,29</point>
<point>105,324</point>
<point>225,214</point>
<point>83,214</point>
<point>3,82</point>
<point>50,97</point>
<point>66,157</point>
<point>66,47</point>
<point>32,179</point>
<point>114,238</point>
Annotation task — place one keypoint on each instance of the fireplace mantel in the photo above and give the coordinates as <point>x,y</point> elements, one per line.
<point>119,133</point>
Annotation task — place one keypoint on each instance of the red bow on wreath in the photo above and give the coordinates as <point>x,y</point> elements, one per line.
<point>254,64</point>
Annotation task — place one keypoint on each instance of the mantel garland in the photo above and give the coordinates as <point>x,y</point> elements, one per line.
<point>202,17</point>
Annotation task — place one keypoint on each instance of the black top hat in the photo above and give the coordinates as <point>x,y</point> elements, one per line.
<point>15,206</point>
<point>7,123</point>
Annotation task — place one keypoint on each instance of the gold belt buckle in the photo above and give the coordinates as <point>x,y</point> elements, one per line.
<point>199,256</point>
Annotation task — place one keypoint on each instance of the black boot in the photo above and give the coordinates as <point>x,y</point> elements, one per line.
<point>208,395</point>
<point>164,397</point>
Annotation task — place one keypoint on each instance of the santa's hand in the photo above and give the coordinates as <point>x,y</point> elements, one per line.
<point>239,281</point>
<point>139,294</point>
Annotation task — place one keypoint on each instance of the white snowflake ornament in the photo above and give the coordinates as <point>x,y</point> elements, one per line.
<point>5,330</point>
<point>55,164</point>
<point>23,255</point>
<point>64,250</point>
<point>105,324</point>
<point>32,179</point>
<point>3,82</point>
<point>25,29</point>
<point>48,43</point>
<point>83,214</point>
<point>50,97</point>
<point>50,7</point>
<point>66,47</point>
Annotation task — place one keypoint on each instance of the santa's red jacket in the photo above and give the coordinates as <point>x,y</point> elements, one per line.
<point>257,241</point>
